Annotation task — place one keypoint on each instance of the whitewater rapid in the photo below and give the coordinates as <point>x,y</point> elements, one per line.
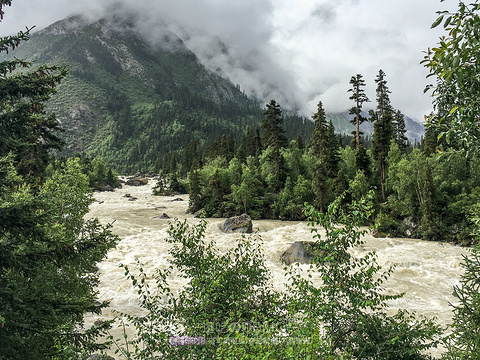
<point>425,271</point>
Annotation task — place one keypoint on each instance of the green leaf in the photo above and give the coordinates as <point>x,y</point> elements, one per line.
<point>447,22</point>
<point>437,22</point>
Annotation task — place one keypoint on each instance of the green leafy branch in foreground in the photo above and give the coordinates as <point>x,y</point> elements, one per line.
<point>350,305</point>
<point>464,342</point>
<point>454,62</point>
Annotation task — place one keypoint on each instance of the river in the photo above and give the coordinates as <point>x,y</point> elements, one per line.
<point>425,271</point>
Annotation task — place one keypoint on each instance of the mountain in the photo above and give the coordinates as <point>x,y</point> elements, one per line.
<point>341,121</point>
<point>129,101</point>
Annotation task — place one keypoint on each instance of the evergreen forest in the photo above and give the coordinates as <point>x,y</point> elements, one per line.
<point>429,191</point>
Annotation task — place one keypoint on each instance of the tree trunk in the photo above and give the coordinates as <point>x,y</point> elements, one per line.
<point>382,180</point>
<point>358,132</point>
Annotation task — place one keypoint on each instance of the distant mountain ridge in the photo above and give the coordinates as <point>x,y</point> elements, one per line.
<point>341,121</point>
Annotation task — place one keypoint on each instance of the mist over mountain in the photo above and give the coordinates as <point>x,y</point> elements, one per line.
<point>295,52</point>
<point>135,92</point>
<point>129,101</point>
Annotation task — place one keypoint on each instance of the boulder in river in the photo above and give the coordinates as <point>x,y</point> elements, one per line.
<point>137,181</point>
<point>237,224</point>
<point>199,213</point>
<point>377,234</point>
<point>163,216</point>
<point>103,188</point>
<point>299,252</point>
<point>130,197</point>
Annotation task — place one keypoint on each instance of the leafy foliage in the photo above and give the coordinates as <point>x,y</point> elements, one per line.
<point>227,299</point>
<point>48,257</point>
<point>455,64</point>
<point>464,343</point>
<point>349,305</point>
<point>228,309</point>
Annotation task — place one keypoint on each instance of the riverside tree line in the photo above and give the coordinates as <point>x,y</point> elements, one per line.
<point>418,193</point>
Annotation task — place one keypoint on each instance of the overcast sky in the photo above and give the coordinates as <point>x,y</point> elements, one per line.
<point>295,51</point>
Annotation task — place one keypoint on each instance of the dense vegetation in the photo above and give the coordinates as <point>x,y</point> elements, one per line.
<point>229,310</point>
<point>419,194</point>
<point>48,253</point>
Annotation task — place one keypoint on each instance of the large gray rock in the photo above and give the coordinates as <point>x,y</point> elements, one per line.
<point>409,227</point>
<point>237,224</point>
<point>130,197</point>
<point>298,252</point>
<point>137,181</point>
<point>199,213</point>
<point>107,188</point>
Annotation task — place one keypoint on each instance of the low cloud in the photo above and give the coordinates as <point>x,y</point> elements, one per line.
<point>295,52</point>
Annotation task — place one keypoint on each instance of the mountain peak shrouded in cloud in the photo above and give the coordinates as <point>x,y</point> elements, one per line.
<point>295,52</point>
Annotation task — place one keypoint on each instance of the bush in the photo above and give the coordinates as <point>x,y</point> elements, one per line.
<point>386,224</point>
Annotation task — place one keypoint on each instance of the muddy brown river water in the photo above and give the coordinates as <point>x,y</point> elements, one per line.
<point>425,271</point>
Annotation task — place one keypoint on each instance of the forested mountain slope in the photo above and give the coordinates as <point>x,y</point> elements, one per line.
<point>127,100</point>
<point>130,101</point>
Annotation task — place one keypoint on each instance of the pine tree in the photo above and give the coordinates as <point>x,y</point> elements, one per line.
<point>359,97</point>
<point>399,128</point>
<point>194,191</point>
<point>26,129</point>
<point>227,147</point>
<point>274,133</point>
<point>190,156</point>
<point>429,220</point>
<point>48,257</point>
<point>216,192</point>
<point>332,156</point>
<point>362,161</point>
<point>48,253</point>
<point>325,151</point>
<point>254,142</point>
<point>300,142</point>
<point>383,131</point>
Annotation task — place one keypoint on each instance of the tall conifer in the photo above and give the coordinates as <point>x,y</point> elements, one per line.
<point>48,252</point>
<point>325,151</point>
<point>25,128</point>
<point>399,128</point>
<point>274,133</point>
<point>383,131</point>
<point>359,97</point>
